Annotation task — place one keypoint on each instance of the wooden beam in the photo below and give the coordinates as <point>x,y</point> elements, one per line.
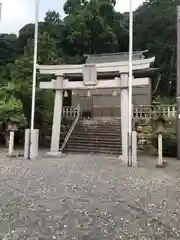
<point>103,84</point>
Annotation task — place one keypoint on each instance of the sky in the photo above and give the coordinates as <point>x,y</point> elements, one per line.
<point>16,13</point>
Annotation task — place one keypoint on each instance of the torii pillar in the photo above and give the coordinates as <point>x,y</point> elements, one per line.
<point>56,127</point>
<point>124,115</point>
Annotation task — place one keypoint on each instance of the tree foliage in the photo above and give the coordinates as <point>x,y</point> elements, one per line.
<point>11,108</point>
<point>155,30</point>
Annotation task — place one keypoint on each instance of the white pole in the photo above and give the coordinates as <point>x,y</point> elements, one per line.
<point>11,143</point>
<point>130,83</point>
<point>34,64</point>
<point>0,11</point>
<point>160,155</point>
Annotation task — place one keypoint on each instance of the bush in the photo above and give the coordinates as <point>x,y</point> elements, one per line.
<point>169,145</point>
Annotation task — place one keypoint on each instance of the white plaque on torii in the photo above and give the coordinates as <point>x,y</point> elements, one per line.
<point>89,75</point>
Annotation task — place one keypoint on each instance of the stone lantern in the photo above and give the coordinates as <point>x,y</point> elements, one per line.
<point>12,126</point>
<point>159,129</point>
<point>159,124</point>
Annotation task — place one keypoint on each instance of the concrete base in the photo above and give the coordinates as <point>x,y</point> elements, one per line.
<point>27,144</point>
<point>34,144</point>
<point>120,157</point>
<point>163,165</point>
<point>123,159</point>
<point>31,144</point>
<point>55,154</point>
<point>15,155</point>
<point>134,148</point>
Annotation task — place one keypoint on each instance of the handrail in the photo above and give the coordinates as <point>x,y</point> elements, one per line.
<point>69,112</point>
<point>71,129</point>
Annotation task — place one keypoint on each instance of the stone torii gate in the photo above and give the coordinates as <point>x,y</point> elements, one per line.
<point>90,75</point>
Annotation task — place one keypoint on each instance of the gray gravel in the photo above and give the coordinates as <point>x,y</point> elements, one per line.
<point>88,197</point>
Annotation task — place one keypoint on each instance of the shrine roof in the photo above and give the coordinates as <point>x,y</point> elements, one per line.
<point>114,57</point>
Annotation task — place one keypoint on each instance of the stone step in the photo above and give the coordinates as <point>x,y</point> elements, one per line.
<point>94,130</point>
<point>98,133</point>
<point>99,136</point>
<point>81,138</point>
<point>92,151</point>
<point>99,127</point>
<point>94,144</point>
<point>99,124</point>
<point>96,136</point>
<point>105,129</point>
<point>100,121</point>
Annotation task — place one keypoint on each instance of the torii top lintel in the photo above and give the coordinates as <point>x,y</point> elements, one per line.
<point>121,67</point>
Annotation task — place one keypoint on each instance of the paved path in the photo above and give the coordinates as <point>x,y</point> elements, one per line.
<point>85,197</point>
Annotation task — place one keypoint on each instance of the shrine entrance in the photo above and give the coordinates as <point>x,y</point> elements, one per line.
<point>89,74</point>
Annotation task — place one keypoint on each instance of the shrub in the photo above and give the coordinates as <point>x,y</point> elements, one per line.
<point>169,144</point>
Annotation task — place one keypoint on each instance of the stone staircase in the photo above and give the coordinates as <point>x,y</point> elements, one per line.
<point>96,136</point>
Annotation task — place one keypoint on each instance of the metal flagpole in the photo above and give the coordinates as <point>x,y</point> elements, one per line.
<point>178,83</point>
<point>130,84</point>
<point>34,64</point>
<point>0,11</point>
<point>31,141</point>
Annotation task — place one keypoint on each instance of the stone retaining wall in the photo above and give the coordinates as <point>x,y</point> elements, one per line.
<point>146,136</point>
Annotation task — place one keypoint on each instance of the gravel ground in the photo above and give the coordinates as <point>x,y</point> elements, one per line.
<point>88,197</point>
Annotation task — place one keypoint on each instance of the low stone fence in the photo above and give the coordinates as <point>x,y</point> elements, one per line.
<point>145,134</point>
<point>150,111</point>
<point>147,139</point>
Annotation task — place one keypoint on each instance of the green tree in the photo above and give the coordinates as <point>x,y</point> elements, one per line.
<point>91,27</point>
<point>7,48</point>
<point>52,18</point>
<point>11,108</point>
<point>26,33</point>
<point>47,50</point>
<point>21,76</point>
<point>155,30</point>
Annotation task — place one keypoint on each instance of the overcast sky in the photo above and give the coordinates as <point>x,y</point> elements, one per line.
<point>16,13</point>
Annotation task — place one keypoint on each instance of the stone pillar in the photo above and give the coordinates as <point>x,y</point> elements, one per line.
<point>34,144</point>
<point>160,150</point>
<point>31,144</point>
<point>27,144</point>
<point>11,143</point>
<point>124,116</point>
<point>134,148</point>
<point>56,128</point>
